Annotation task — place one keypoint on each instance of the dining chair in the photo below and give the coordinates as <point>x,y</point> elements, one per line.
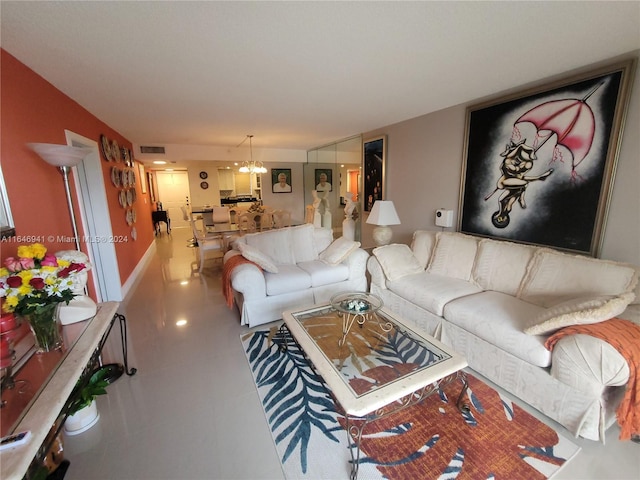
<point>207,242</point>
<point>246,224</point>
<point>281,218</point>
<point>207,219</point>
<point>221,215</point>
<point>266,221</point>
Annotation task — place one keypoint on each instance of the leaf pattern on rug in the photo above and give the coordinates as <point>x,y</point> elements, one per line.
<point>455,455</point>
<point>296,400</point>
<point>430,440</point>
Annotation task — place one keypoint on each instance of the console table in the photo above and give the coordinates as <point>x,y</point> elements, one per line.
<point>45,416</point>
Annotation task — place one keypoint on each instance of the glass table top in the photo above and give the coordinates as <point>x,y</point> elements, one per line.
<point>379,353</point>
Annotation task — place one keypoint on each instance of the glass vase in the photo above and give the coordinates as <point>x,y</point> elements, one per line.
<point>45,328</point>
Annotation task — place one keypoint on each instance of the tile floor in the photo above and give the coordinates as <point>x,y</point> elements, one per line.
<point>192,411</point>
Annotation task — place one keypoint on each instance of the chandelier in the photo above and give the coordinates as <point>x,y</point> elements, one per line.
<point>251,166</point>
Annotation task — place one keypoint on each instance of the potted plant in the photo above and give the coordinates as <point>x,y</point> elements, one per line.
<point>83,411</point>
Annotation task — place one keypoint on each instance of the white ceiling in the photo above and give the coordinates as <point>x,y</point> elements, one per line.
<point>299,74</point>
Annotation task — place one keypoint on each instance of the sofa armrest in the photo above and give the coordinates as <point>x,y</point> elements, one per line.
<point>357,263</point>
<point>377,274</point>
<point>247,278</point>
<point>588,364</point>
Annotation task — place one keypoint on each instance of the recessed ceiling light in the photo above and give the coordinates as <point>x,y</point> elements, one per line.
<point>159,162</point>
<point>184,282</point>
<point>181,323</point>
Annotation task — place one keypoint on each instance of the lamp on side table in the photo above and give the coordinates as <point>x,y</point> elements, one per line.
<point>383,214</point>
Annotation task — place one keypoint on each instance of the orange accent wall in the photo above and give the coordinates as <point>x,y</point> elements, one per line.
<point>33,110</point>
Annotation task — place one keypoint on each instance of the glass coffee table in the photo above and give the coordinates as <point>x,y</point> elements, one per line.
<point>375,369</point>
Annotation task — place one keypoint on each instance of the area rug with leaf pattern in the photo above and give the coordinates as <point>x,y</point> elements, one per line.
<point>496,439</point>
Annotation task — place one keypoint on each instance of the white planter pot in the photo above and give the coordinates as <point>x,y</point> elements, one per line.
<point>82,420</point>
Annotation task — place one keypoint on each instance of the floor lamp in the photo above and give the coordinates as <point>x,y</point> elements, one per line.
<point>66,157</point>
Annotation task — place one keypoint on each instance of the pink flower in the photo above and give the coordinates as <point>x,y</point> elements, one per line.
<point>27,263</point>
<point>37,283</point>
<point>49,260</point>
<point>12,264</point>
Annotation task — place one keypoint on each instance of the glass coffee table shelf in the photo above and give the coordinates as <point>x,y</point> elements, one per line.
<point>358,307</point>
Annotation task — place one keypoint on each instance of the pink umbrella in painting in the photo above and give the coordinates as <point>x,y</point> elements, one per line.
<point>572,121</point>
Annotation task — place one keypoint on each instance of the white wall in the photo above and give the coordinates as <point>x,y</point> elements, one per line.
<point>424,167</point>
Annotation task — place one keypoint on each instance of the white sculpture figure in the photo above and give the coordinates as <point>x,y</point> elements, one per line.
<point>325,211</point>
<point>81,307</point>
<point>317,216</point>
<point>349,224</point>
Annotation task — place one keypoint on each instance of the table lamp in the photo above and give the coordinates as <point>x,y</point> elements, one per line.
<point>383,214</point>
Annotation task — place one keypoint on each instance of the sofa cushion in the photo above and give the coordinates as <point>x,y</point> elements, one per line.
<point>453,255</point>
<point>322,238</point>
<point>323,274</point>
<point>500,319</point>
<point>431,291</point>
<point>579,311</point>
<point>338,251</point>
<point>397,260</point>
<point>259,258</point>
<point>275,243</point>
<point>304,248</point>
<point>558,277</point>
<point>290,278</point>
<point>422,246</point>
<point>501,266</point>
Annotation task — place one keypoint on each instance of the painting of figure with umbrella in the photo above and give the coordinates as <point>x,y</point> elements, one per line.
<point>538,168</point>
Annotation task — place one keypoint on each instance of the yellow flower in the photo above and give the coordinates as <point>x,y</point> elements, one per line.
<point>26,276</point>
<point>25,289</point>
<point>37,250</point>
<point>10,303</point>
<point>63,263</point>
<point>4,272</point>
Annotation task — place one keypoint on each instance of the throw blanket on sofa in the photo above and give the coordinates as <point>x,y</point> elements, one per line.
<point>625,337</point>
<point>231,263</point>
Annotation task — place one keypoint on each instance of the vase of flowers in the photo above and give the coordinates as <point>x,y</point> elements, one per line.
<point>33,286</point>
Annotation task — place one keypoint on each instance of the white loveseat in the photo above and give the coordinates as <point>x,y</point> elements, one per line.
<point>301,265</point>
<point>497,302</point>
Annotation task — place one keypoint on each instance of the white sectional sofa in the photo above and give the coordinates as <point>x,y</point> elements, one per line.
<point>497,302</point>
<point>301,265</point>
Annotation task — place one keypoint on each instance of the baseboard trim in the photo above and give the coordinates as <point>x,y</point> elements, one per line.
<point>137,272</point>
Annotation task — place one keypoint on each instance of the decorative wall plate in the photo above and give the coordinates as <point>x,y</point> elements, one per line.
<point>204,185</point>
<point>129,197</point>
<point>134,233</point>
<point>125,178</point>
<point>105,146</point>
<point>115,151</point>
<point>115,176</point>
<point>129,217</point>
<point>122,198</point>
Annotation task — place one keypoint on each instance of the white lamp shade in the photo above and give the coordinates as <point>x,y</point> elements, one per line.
<point>60,155</point>
<point>383,213</point>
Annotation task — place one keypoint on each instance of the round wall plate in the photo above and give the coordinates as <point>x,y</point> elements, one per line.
<point>204,185</point>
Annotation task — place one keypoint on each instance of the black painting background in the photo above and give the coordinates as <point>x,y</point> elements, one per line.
<point>565,213</point>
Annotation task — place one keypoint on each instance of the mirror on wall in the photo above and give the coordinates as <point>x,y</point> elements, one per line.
<point>7,228</point>
<point>333,170</point>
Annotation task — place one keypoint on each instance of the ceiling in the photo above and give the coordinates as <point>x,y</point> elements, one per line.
<point>299,74</point>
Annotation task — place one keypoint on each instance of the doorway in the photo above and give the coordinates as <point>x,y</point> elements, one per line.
<point>92,202</point>
<point>173,193</point>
